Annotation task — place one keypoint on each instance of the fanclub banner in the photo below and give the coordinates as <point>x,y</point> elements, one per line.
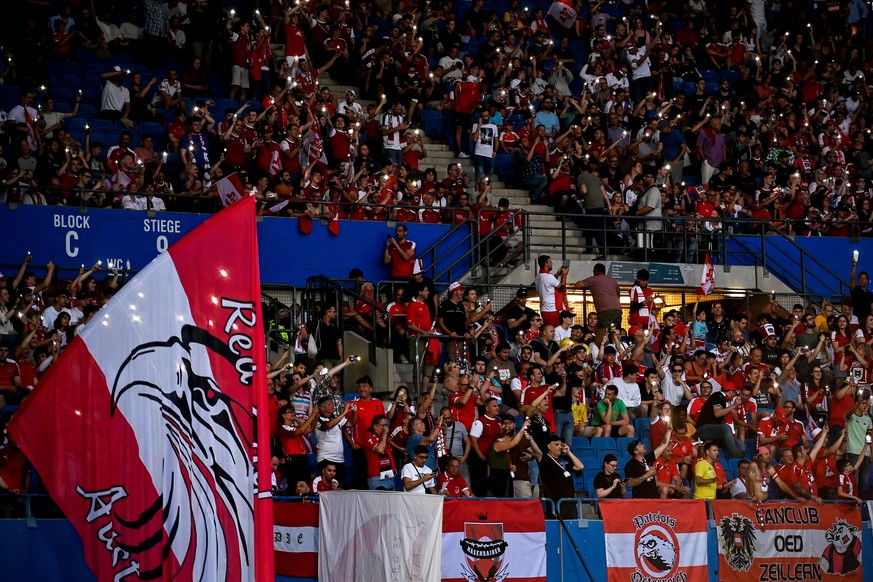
<point>663,541</point>
<point>788,541</point>
<point>491,540</point>
<point>295,539</point>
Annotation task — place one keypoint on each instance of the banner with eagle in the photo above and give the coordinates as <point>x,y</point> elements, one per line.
<point>788,541</point>
<point>144,432</point>
<point>655,540</point>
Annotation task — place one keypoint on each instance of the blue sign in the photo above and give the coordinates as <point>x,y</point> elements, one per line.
<point>130,239</point>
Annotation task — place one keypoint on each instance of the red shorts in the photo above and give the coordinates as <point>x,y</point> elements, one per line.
<point>551,318</point>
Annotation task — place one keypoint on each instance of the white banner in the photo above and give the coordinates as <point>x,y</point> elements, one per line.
<point>371,535</point>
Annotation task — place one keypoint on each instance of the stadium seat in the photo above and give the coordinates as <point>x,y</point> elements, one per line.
<point>432,123</point>
<point>600,443</point>
<point>641,424</point>
<point>579,442</point>
<point>621,443</point>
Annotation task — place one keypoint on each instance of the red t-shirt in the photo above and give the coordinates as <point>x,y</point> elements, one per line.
<point>401,268</point>
<point>666,470</point>
<point>803,474</point>
<point>463,413</point>
<point>291,442</point>
<point>531,393</point>
<point>825,471</point>
<point>367,411</point>
<point>376,462</point>
<point>490,431</point>
<point>418,314</point>
<point>454,486</point>
<point>683,448</point>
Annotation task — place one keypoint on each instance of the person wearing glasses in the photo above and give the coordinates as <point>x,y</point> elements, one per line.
<point>608,483</point>
<point>417,476</point>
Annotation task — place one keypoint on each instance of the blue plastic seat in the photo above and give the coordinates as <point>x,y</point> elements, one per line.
<point>600,443</point>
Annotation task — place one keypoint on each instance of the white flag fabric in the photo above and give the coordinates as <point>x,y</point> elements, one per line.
<point>564,12</point>
<point>707,279</point>
<point>230,189</point>
<point>372,535</point>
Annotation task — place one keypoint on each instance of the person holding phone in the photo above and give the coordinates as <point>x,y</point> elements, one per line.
<point>417,476</point>
<point>552,290</point>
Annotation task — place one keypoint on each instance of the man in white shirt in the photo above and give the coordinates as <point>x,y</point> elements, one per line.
<point>564,330</point>
<point>115,100</point>
<point>329,435</point>
<point>169,93</point>
<point>351,108</point>
<point>392,127</point>
<point>629,392</point>
<point>59,305</point>
<point>451,65</point>
<point>546,285</point>
<point>418,477</point>
<point>485,148</point>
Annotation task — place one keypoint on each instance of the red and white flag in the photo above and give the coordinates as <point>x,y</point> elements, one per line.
<point>229,189</point>
<point>144,431</point>
<point>295,539</point>
<point>312,147</point>
<point>707,279</point>
<point>564,12</point>
<point>656,540</point>
<point>494,540</point>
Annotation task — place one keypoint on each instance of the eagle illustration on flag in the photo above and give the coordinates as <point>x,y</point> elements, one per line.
<point>144,431</point>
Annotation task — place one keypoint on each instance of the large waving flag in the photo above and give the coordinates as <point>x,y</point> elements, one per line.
<point>145,431</point>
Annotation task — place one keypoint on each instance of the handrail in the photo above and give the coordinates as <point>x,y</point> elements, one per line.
<point>438,249</point>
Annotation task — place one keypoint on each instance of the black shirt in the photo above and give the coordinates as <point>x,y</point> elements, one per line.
<point>861,301</point>
<point>327,337</point>
<point>516,312</point>
<point>604,481</point>
<point>540,431</point>
<point>545,350</point>
<point>648,489</point>
<point>707,412</point>
<point>556,478</point>
<point>454,317</point>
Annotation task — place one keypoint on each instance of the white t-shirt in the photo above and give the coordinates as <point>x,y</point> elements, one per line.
<point>415,473</point>
<point>629,393</point>
<point>546,284</point>
<point>114,98</point>
<point>487,140</point>
<point>561,334</point>
<point>330,442</point>
<point>391,141</point>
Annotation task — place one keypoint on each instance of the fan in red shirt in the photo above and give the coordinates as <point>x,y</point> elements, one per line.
<point>667,477</point>
<point>450,483</point>
<point>464,403</point>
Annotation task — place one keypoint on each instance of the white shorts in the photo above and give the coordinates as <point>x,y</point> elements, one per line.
<point>239,76</point>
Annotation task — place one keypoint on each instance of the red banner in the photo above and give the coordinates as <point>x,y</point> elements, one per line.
<point>655,540</point>
<point>295,539</point>
<point>494,541</point>
<point>788,541</point>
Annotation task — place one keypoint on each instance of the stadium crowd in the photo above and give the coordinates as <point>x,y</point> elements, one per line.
<point>640,115</point>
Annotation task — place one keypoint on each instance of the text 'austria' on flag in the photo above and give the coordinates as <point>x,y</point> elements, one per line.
<point>564,12</point>
<point>655,541</point>
<point>144,431</point>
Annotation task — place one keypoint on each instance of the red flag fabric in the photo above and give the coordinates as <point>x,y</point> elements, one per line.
<point>707,278</point>
<point>144,430</point>
<point>229,189</point>
<point>825,541</point>
<point>334,226</point>
<point>657,540</point>
<point>564,12</point>
<point>304,224</point>
<point>295,539</point>
<point>494,540</point>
